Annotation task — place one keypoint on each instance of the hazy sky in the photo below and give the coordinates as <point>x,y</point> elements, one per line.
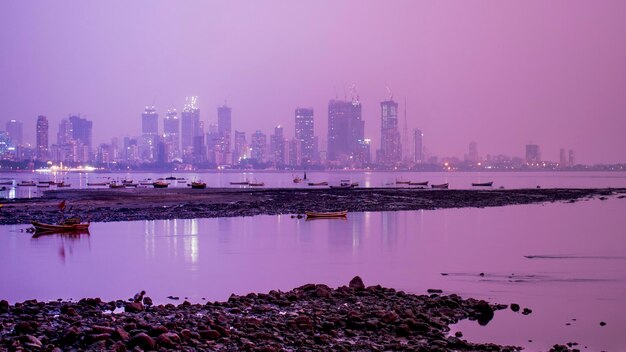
<point>501,73</point>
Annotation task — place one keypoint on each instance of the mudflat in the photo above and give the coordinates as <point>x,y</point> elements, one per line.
<point>105,205</point>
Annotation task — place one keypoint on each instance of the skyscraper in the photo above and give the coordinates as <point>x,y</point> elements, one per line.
<point>82,133</point>
<point>258,145</point>
<point>42,137</point>
<point>345,130</point>
<point>390,145</point>
<point>14,130</point>
<point>533,155</point>
<point>472,155</point>
<point>277,146</point>
<point>171,134</point>
<point>562,158</point>
<point>418,156</point>
<point>571,158</point>
<point>305,133</point>
<point>241,147</point>
<point>190,125</point>
<point>224,128</point>
<point>149,133</point>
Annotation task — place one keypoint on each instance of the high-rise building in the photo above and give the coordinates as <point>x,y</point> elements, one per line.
<point>472,156</point>
<point>258,146</point>
<point>390,142</point>
<point>64,135</point>
<point>190,125</point>
<point>418,156</point>
<point>82,134</point>
<point>171,134</point>
<point>346,130</point>
<point>571,158</point>
<point>224,127</point>
<point>241,147</point>
<point>42,137</point>
<point>305,133</point>
<point>14,130</point>
<point>149,133</point>
<point>277,146</point>
<point>533,155</point>
<point>213,144</point>
<point>562,158</point>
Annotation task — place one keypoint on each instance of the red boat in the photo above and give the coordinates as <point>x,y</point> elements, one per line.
<point>66,227</point>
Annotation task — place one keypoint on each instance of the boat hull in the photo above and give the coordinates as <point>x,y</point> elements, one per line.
<point>52,228</point>
<point>483,184</point>
<point>441,186</point>
<point>326,215</point>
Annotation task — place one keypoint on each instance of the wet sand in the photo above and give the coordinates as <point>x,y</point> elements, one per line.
<point>103,205</point>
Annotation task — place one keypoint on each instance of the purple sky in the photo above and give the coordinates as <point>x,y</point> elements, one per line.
<point>503,74</point>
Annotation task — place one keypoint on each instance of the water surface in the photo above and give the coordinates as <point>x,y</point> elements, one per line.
<point>564,261</point>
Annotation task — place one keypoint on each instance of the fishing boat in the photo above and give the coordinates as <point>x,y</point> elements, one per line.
<point>326,215</point>
<point>425,183</point>
<point>318,183</point>
<point>27,184</point>
<point>160,184</point>
<point>402,182</point>
<point>482,184</point>
<point>242,183</point>
<point>256,184</point>
<point>342,186</point>
<point>198,185</point>
<point>146,182</point>
<point>63,184</point>
<point>97,183</point>
<point>170,177</point>
<point>127,181</point>
<point>441,186</point>
<point>131,185</point>
<point>70,225</point>
<point>297,179</point>
<point>116,185</point>
<point>6,182</point>
<point>43,185</point>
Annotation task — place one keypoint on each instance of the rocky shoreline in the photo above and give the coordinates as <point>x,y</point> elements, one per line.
<point>153,204</point>
<point>310,317</point>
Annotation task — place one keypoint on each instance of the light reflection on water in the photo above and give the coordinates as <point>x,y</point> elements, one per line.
<point>577,268</point>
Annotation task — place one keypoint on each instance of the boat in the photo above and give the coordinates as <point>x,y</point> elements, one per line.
<point>43,185</point>
<point>441,186</point>
<point>482,184</point>
<point>342,186</point>
<point>97,183</point>
<point>131,185</point>
<point>127,181</point>
<point>318,183</point>
<point>63,184</point>
<point>198,185</point>
<point>402,182</point>
<point>326,215</point>
<point>70,225</point>
<point>170,178</point>
<point>297,179</point>
<point>242,183</point>
<point>27,184</point>
<point>116,185</point>
<point>181,181</point>
<point>46,183</point>
<point>256,184</point>
<point>146,183</point>
<point>160,184</point>
<point>425,183</point>
<point>6,182</point>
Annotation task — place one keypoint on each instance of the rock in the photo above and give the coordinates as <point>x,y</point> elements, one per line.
<point>30,339</point>
<point>118,347</point>
<point>357,283</point>
<point>434,290</point>
<point>91,338</point>
<point>147,301</point>
<point>483,312</point>
<point>25,327</point>
<point>143,341</point>
<point>4,306</point>
<point>209,334</point>
<point>602,323</point>
<point>133,307</point>
<point>165,341</point>
<point>173,297</point>
<point>121,334</point>
<point>322,291</point>
<point>515,307</point>
<point>458,334</point>
<point>526,311</point>
<point>70,335</point>
<point>389,317</point>
<point>102,329</point>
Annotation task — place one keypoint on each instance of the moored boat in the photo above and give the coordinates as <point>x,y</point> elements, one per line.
<point>342,186</point>
<point>297,179</point>
<point>441,186</point>
<point>27,184</point>
<point>66,227</point>
<point>6,182</point>
<point>116,185</point>
<point>326,215</point>
<point>324,183</point>
<point>402,182</point>
<point>172,177</point>
<point>97,183</point>
<point>160,184</point>
<point>198,185</point>
<point>482,184</point>
<point>256,184</point>
<point>424,183</point>
<point>242,183</point>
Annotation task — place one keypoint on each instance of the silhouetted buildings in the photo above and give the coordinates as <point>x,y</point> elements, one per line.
<point>240,152</point>
<point>277,147</point>
<point>171,134</point>
<point>258,146</point>
<point>224,128</point>
<point>472,155</point>
<point>190,127</point>
<point>15,132</point>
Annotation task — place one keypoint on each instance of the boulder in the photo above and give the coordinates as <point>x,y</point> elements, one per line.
<point>357,283</point>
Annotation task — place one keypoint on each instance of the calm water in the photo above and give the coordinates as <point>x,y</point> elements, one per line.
<point>457,180</point>
<point>578,270</point>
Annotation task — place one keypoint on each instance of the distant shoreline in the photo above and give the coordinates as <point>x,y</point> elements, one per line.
<point>105,205</point>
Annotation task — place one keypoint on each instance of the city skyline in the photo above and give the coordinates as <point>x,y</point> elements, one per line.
<point>502,74</point>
